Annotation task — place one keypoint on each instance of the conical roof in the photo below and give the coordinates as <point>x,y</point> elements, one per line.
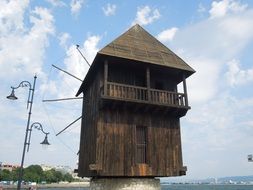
<point>137,44</point>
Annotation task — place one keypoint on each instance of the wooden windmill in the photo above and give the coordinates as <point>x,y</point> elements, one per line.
<point>132,109</point>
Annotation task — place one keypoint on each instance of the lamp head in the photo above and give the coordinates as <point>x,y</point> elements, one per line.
<point>45,141</point>
<point>250,158</point>
<point>12,95</point>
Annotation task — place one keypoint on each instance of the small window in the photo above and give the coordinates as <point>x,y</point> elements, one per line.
<point>141,144</point>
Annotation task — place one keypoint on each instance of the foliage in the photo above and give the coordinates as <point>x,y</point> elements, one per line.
<point>34,173</point>
<point>5,175</point>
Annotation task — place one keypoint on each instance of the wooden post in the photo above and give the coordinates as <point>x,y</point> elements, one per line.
<point>148,82</point>
<point>185,91</point>
<point>105,77</point>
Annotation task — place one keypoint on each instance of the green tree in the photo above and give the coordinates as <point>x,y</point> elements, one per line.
<point>59,176</point>
<point>15,174</point>
<point>33,173</point>
<point>6,175</point>
<point>49,176</point>
<point>68,177</point>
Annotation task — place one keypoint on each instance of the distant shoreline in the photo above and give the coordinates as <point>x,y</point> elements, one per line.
<point>87,184</point>
<point>52,185</point>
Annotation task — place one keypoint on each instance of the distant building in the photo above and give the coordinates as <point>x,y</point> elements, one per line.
<point>64,169</point>
<point>46,167</point>
<point>9,167</point>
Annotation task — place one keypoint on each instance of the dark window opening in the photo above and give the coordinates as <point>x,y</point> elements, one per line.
<point>126,75</point>
<point>141,144</point>
<point>159,85</point>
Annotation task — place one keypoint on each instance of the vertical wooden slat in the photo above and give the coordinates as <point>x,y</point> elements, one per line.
<point>105,76</point>
<point>185,91</point>
<point>148,82</point>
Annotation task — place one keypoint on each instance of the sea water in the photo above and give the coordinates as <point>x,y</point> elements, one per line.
<point>207,187</point>
<point>181,187</point>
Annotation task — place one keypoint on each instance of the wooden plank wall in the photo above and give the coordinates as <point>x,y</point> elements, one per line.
<point>116,144</point>
<point>108,140</point>
<point>87,153</point>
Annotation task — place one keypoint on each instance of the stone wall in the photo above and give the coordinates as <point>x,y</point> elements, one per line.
<point>125,184</point>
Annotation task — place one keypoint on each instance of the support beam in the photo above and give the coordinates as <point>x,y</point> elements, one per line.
<point>148,82</point>
<point>62,99</point>
<point>68,125</point>
<point>185,91</point>
<point>105,77</point>
<point>66,72</point>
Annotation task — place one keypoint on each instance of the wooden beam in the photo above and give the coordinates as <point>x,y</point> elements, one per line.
<point>77,47</point>
<point>62,99</point>
<point>148,82</point>
<point>185,91</point>
<point>66,72</point>
<point>68,126</point>
<point>105,77</point>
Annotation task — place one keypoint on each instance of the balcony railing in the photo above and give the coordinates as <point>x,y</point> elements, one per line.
<point>142,94</point>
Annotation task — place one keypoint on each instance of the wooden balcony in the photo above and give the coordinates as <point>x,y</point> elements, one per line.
<point>142,97</point>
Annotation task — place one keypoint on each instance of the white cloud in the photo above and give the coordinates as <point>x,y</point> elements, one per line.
<point>90,47</point>
<point>12,16</point>
<point>76,6</point>
<point>216,122</point>
<point>220,38</point>
<point>237,76</point>
<point>221,8</point>
<point>76,65</point>
<point>201,8</point>
<point>74,61</point>
<point>64,37</point>
<point>24,37</point>
<point>145,15</point>
<point>109,9</point>
<point>212,128</point>
<point>42,21</point>
<point>57,3</point>
<point>203,84</point>
<point>167,35</point>
<point>68,111</point>
<point>16,61</point>
<point>216,42</point>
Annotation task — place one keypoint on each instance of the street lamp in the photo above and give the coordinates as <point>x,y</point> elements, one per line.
<point>250,158</point>
<point>39,127</point>
<point>36,125</point>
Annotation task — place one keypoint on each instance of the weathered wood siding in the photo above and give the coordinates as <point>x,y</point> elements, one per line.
<point>108,133</point>
<point>116,144</point>
<point>87,152</point>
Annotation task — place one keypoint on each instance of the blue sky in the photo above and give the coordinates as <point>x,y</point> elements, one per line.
<point>214,37</point>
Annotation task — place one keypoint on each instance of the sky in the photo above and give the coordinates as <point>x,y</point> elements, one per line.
<point>213,37</point>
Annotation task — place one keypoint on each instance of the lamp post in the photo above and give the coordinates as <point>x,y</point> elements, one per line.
<point>28,129</point>
<point>250,158</point>
<point>39,127</point>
